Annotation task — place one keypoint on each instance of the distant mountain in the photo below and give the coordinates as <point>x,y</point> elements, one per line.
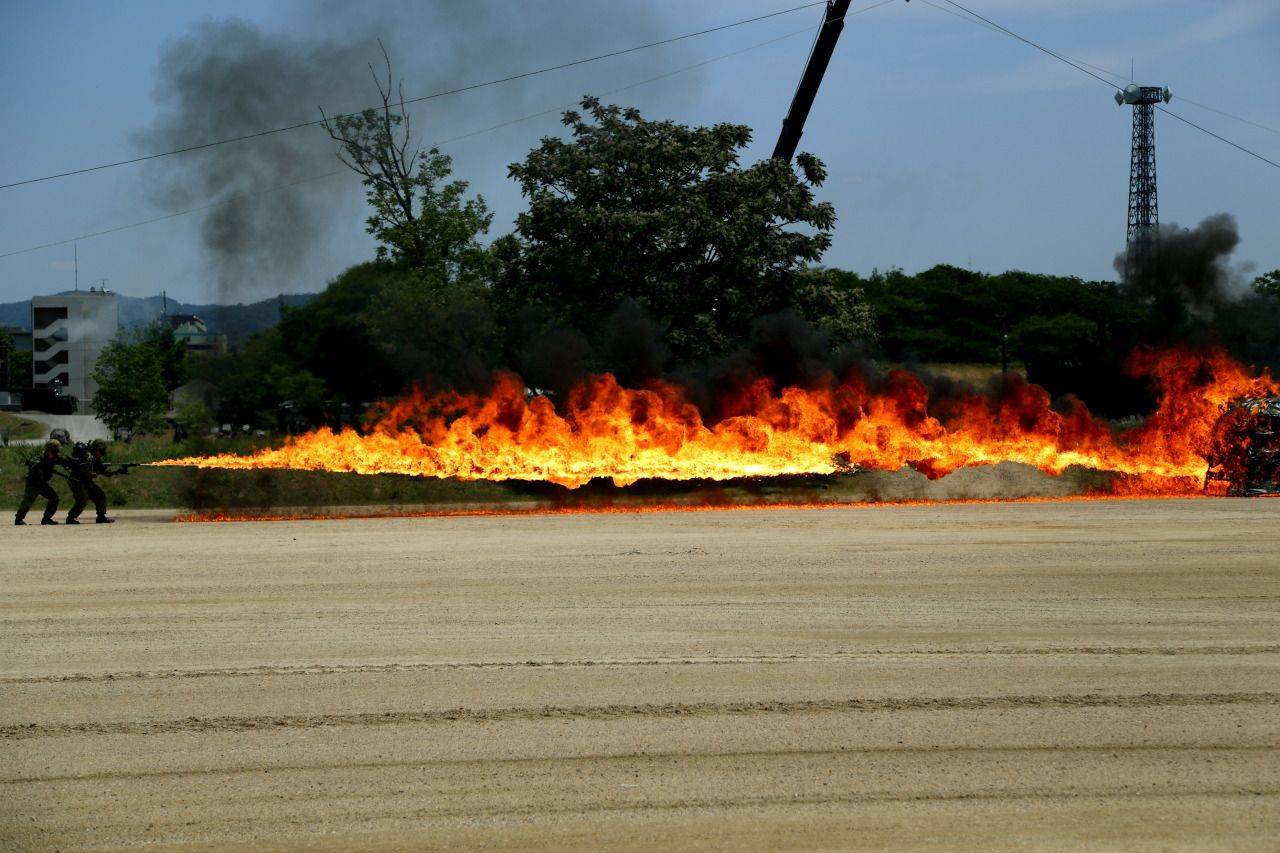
<point>237,322</point>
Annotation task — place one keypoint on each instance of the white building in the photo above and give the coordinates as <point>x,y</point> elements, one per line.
<point>68,332</point>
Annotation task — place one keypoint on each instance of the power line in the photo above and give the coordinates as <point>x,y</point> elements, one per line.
<point>443,142</point>
<point>1265,127</point>
<point>1108,83</point>
<point>995,29</point>
<point>461,89</point>
<point>1113,74</point>
<point>1028,41</point>
<point>1186,120</point>
<point>227,200</point>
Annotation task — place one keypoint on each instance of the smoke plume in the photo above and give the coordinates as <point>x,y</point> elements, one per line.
<point>232,78</point>
<point>228,79</point>
<point>1186,275</point>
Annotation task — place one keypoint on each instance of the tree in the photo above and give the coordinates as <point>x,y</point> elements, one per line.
<point>1268,284</point>
<point>835,304</point>
<point>663,214</point>
<point>15,367</point>
<point>254,381</point>
<point>420,222</point>
<point>171,352</point>
<point>7,350</point>
<point>431,320</point>
<point>131,392</point>
<point>332,339</point>
<point>440,333</point>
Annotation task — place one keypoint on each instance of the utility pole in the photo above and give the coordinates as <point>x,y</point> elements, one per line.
<point>823,47</point>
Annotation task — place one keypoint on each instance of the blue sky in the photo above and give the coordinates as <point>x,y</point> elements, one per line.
<point>945,142</point>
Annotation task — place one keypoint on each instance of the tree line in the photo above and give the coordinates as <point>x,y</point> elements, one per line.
<point>645,247</point>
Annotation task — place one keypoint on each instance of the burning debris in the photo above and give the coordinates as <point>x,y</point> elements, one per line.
<point>1244,458</point>
<point>601,429</point>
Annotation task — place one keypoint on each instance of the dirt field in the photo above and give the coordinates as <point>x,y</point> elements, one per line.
<point>1055,674</point>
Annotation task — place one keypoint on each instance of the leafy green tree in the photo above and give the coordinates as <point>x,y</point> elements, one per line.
<point>1061,344</point>
<point>1268,284</point>
<point>195,415</point>
<point>332,339</point>
<point>836,304</point>
<point>7,351</point>
<point>253,381</point>
<point>171,352</point>
<point>15,366</point>
<point>431,319</point>
<point>421,220</point>
<point>441,333</point>
<point>666,215</point>
<point>131,388</point>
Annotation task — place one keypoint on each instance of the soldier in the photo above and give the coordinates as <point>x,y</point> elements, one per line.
<point>87,463</point>
<point>38,477</point>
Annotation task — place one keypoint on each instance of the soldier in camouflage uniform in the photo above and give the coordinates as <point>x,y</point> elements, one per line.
<point>38,477</point>
<point>88,462</point>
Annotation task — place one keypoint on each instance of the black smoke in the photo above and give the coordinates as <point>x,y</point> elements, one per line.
<point>1185,277</point>
<point>269,206</point>
<point>229,78</point>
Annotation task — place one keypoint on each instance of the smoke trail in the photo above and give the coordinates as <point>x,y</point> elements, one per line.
<point>1186,276</point>
<point>230,78</point>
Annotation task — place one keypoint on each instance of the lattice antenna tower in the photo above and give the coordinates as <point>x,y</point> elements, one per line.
<point>1144,203</point>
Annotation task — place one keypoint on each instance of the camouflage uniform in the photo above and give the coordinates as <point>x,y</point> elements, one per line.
<point>38,477</point>
<point>88,463</point>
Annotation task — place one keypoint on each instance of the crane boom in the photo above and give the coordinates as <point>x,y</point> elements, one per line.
<point>793,124</point>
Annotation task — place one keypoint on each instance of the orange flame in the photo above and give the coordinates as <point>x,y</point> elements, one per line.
<point>627,434</point>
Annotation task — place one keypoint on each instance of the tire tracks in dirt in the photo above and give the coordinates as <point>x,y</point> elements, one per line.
<point>24,731</point>
<point>650,756</point>
<point>737,660</point>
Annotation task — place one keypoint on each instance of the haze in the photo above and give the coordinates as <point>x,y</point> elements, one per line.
<point>945,142</point>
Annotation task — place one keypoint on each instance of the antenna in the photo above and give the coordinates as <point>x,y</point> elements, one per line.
<point>1144,210</point>
<point>77,256</point>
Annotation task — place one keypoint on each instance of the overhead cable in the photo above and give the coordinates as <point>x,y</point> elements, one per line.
<point>440,143</point>
<point>461,89</point>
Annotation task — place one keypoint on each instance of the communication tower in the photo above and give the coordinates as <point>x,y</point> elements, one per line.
<point>1144,206</point>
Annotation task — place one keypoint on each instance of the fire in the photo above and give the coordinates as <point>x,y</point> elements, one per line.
<point>603,430</point>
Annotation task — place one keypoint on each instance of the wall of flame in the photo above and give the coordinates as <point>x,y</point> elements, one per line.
<point>603,430</point>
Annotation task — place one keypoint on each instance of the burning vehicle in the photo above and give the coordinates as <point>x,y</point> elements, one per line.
<point>1244,458</point>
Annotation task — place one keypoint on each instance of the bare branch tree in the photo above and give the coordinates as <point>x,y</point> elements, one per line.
<point>377,144</point>
<point>406,185</point>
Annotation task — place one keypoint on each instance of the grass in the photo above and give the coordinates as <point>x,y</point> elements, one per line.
<point>264,490</point>
<point>13,428</point>
<point>205,489</point>
<point>973,373</point>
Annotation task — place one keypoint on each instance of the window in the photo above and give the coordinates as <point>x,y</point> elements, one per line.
<point>46,315</point>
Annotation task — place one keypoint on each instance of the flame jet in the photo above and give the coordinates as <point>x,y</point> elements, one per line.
<point>603,430</point>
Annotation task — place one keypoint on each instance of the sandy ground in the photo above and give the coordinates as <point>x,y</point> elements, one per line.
<point>1019,675</point>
